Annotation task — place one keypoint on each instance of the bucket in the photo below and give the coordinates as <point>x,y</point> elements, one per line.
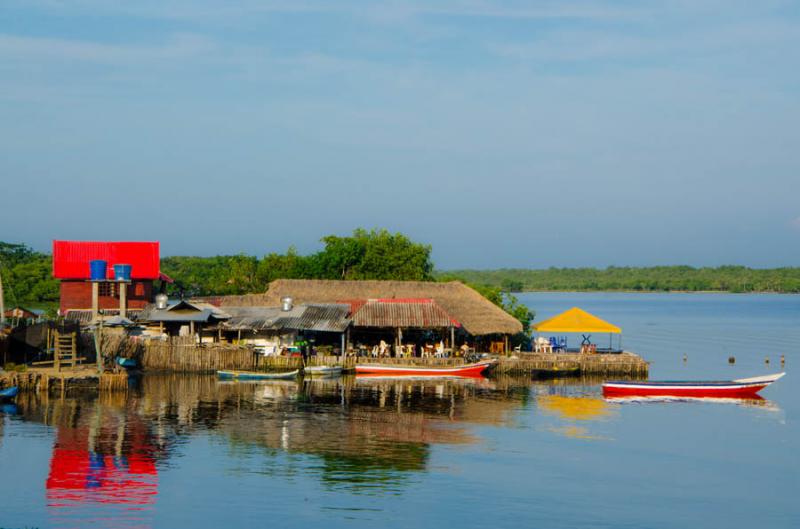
<point>97,270</point>
<point>122,272</point>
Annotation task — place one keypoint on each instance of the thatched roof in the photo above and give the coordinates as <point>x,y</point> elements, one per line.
<point>475,313</point>
<point>405,313</point>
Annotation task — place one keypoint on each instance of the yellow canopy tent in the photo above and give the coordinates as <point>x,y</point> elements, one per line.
<point>576,320</point>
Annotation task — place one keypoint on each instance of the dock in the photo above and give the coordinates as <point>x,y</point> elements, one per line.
<point>67,381</point>
<point>209,358</point>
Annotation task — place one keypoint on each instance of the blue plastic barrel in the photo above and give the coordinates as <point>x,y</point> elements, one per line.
<point>122,272</point>
<point>97,270</point>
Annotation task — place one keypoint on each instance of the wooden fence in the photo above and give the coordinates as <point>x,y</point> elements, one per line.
<point>186,355</point>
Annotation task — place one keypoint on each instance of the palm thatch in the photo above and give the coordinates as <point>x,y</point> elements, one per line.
<point>475,313</point>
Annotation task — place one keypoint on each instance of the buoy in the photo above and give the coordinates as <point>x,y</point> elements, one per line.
<point>766,360</point>
<point>783,360</point>
<point>731,359</point>
<point>685,358</point>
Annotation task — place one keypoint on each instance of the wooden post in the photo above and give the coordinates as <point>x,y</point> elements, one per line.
<point>123,299</point>
<point>56,351</point>
<point>506,343</point>
<point>95,300</point>
<point>344,343</point>
<point>453,340</point>
<point>74,346</point>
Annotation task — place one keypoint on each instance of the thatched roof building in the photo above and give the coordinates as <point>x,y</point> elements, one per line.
<point>475,313</point>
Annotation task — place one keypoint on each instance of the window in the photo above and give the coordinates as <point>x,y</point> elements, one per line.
<point>107,290</point>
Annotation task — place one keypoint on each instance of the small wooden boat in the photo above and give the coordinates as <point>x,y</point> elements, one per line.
<point>322,371</point>
<point>468,370</point>
<point>739,388</point>
<point>9,393</point>
<point>256,375</point>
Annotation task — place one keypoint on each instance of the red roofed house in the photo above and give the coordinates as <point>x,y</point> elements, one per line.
<point>80,291</point>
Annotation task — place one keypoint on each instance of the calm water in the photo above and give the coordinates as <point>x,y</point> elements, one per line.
<point>190,451</point>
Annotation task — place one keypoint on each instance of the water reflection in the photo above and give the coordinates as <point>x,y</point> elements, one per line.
<point>752,402</point>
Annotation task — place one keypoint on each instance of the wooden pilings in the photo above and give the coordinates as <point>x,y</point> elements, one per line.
<point>65,382</point>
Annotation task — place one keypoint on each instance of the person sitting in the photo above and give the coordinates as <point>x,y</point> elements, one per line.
<point>464,349</point>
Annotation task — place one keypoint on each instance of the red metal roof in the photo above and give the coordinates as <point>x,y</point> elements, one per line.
<point>71,258</point>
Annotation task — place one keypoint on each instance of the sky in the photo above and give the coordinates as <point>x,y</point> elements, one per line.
<point>504,133</point>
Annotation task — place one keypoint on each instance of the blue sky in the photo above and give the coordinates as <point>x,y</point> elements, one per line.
<point>524,134</point>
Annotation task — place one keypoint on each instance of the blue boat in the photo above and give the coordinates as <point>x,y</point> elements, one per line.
<point>256,375</point>
<point>127,363</point>
<point>8,393</point>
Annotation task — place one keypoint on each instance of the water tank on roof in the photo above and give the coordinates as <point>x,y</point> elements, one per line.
<point>161,301</point>
<point>97,270</point>
<point>286,304</point>
<point>122,272</point>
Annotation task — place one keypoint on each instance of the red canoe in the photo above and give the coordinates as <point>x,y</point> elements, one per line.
<point>740,388</point>
<point>468,370</point>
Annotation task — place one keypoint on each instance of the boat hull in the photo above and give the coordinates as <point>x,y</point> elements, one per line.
<point>673,391</point>
<point>322,371</point>
<point>740,389</point>
<point>9,393</point>
<point>469,370</point>
<point>253,375</point>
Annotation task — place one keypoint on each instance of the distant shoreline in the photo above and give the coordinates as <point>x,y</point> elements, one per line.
<point>620,291</point>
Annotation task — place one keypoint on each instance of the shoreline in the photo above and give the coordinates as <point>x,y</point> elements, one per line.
<point>600,291</point>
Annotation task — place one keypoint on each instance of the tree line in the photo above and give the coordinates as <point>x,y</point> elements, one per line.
<point>366,254</point>
<point>738,279</point>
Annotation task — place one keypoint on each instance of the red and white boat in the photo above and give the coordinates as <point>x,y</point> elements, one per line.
<point>739,388</point>
<point>468,370</point>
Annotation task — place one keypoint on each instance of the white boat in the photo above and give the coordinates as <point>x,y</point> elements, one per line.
<point>322,371</point>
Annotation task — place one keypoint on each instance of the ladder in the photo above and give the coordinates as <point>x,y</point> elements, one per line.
<point>66,349</point>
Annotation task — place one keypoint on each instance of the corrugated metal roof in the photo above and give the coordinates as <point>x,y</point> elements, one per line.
<point>183,311</point>
<point>71,258</point>
<point>405,313</point>
<point>84,317</point>
<point>322,317</point>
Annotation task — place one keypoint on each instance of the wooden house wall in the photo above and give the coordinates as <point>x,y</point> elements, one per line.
<point>77,295</point>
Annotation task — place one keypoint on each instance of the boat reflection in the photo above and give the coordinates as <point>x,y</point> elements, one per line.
<point>754,402</point>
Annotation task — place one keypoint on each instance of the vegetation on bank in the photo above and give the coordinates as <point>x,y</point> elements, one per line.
<point>27,277</point>
<point>649,279</point>
<point>381,255</point>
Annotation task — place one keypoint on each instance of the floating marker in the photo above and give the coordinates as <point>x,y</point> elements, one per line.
<point>731,359</point>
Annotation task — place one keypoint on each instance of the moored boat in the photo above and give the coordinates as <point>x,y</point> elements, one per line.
<point>322,371</point>
<point>256,375</point>
<point>8,393</point>
<point>468,370</point>
<point>739,388</point>
<point>127,363</point>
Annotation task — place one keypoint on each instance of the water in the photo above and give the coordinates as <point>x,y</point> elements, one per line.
<point>186,451</point>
